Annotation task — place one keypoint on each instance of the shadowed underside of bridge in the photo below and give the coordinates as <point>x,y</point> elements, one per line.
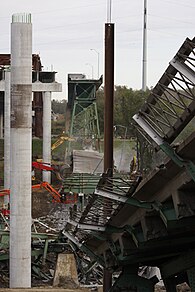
<point>129,223</point>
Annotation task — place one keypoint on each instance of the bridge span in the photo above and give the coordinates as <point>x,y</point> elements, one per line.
<point>130,222</point>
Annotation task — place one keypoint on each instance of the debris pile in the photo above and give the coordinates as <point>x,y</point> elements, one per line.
<point>48,242</point>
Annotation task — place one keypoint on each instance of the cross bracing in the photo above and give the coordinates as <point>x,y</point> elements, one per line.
<point>171,104</point>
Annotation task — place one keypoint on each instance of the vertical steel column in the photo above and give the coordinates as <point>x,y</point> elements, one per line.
<point>144,61</point>
<point>21,151</point>
<point>108,117</point>
<point>1,125</point>
<point>98,129</point>
<point>191,278</point>
<point>109,96</point>
<point>7,108</point>
<point>47,134</point>
<point>38,107</point>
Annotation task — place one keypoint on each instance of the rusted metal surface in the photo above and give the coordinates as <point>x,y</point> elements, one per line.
<point>109,96</point>
<point>5,60</point>
<point>38,102</point>
<point>38,108</point>
<point>108,120</point>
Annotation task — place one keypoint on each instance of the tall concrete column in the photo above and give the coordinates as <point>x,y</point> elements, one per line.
<point>47,133</point>
<point>7,134</point>
<point>1,125</point>
<point>21,151</point>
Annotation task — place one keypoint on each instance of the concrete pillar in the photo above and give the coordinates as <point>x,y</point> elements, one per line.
<point>21,151</point>
<point>47,133</point>
<point>7,134</point>
<point>1,125</point>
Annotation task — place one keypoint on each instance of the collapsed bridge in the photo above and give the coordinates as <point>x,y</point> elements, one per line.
<point>128,224</point>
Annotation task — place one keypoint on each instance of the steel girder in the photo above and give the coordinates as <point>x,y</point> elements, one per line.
<point>156,236</point>
<point>171,104</point>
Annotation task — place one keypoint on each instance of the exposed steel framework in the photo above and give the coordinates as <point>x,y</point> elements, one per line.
<point>126,225</point>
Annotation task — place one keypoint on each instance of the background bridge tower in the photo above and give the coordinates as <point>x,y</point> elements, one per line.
<point>82,116</point>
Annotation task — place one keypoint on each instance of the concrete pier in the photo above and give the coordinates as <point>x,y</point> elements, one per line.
<point>7,106</point>
<point>21,140</point>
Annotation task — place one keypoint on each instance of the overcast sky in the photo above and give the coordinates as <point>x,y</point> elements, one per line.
<point>64,31</point>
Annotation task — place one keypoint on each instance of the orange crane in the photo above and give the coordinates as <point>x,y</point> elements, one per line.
<point>47,167</point>
<point>58,196</point>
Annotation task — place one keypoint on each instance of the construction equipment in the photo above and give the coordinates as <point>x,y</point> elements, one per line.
<point>58,196</point>
<point>61,139</point>
<point>43,166</point>
<point>47,167</point>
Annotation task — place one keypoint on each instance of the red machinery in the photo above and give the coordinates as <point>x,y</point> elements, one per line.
<point>43,166</point>
<point>65,198</point>
<point>47,167</point>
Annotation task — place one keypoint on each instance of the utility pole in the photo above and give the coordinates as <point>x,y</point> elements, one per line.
<point>144,62</point>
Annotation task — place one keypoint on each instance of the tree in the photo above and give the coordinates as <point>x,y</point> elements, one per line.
<point>59,106</point>
<point>127,102</point>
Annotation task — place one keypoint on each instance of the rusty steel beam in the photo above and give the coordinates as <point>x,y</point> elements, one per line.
<point>109,96</point>
<point>108,118</point>
<point>38,101</point>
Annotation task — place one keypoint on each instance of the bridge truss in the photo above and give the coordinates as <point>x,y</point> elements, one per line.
<point>82,112</point>
<point>128,224</point>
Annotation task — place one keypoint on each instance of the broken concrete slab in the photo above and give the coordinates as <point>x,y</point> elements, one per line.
<point>66,272</point>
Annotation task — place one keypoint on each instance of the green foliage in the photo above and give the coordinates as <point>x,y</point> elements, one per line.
<point>127,102</point>
<point>59,106</point>
<point>187,131</point>
<point>57,127</point>
<point>37,146</point>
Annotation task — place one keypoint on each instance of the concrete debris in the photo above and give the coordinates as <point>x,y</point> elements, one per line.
<point>66,272</point>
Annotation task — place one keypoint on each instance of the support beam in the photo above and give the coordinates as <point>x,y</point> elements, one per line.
<point>183,69</point>
<point>1,125</point>
<point>149,130</point>
<point>170,284</point>
<point>108,117</point>
<point>47,134</point>
<point>188,164</point>
<point>21,151</point>
<point>109,96</point>
<point>87,226</point>
<point>129,280</point>
<point>178,265</point>
<point>84,248</point>
<point>191,278</point>
<point>127,200</point>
